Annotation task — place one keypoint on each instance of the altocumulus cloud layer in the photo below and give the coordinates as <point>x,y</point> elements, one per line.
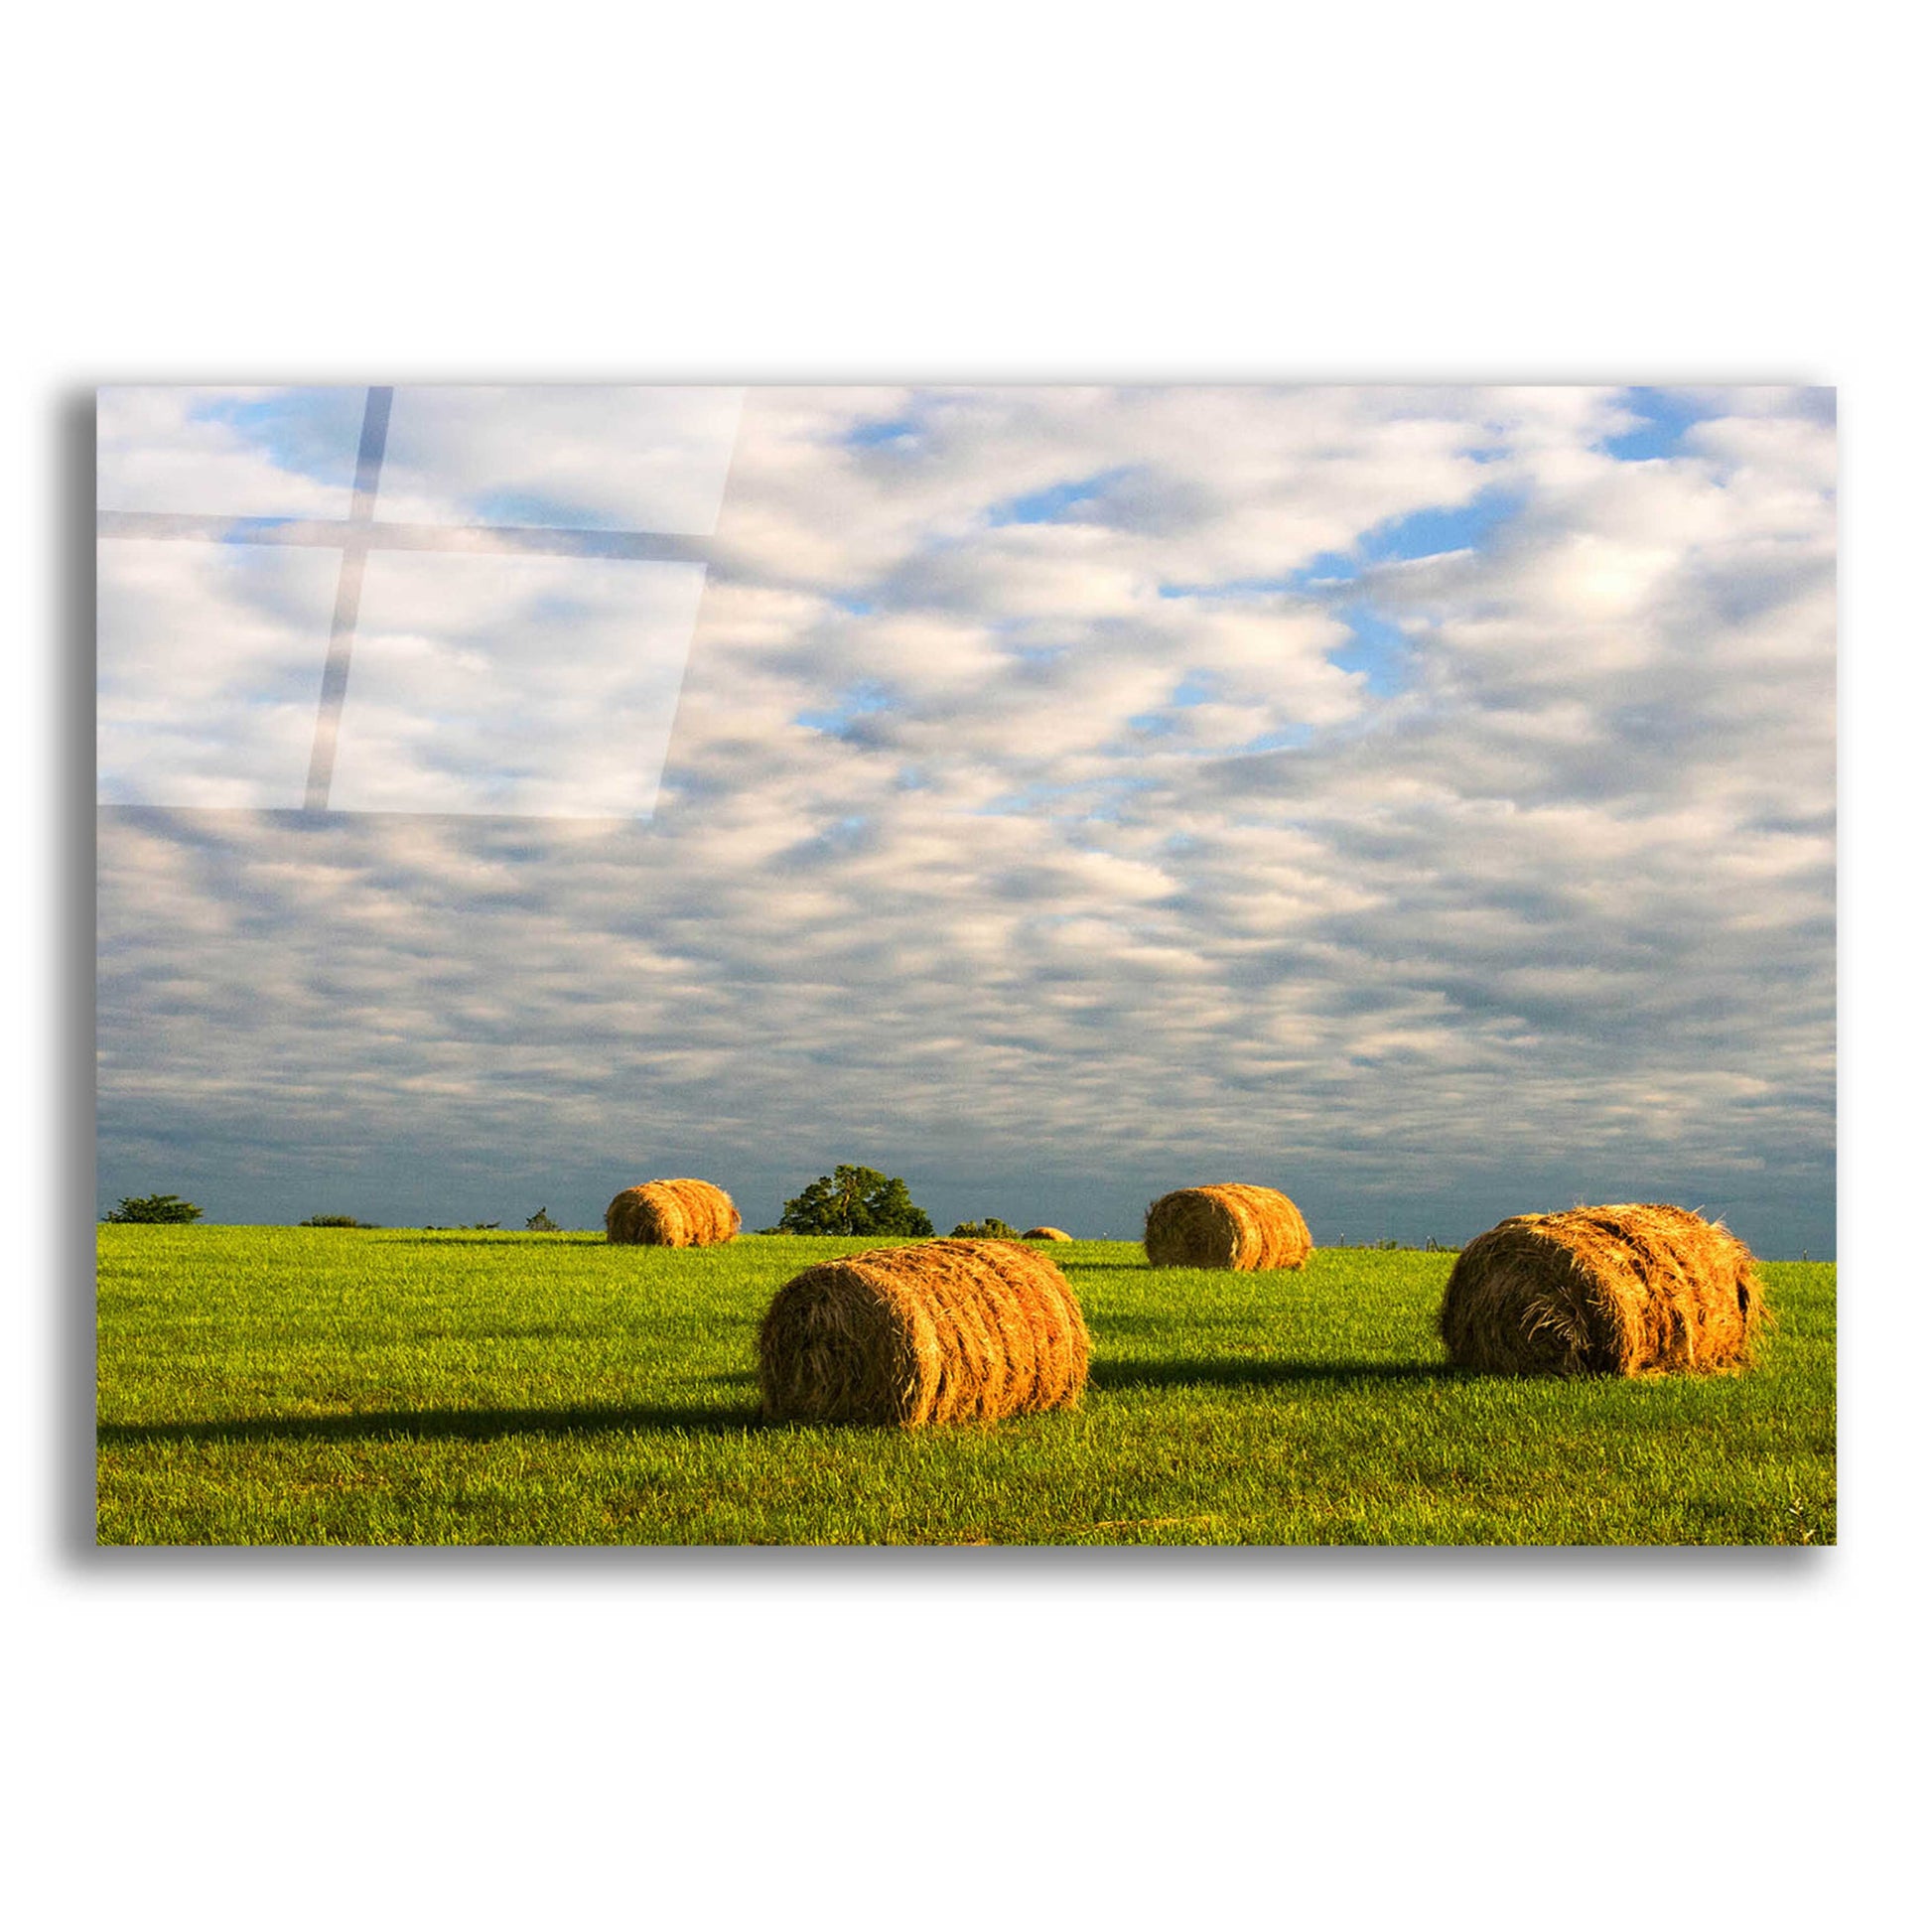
<point>1421,799</point>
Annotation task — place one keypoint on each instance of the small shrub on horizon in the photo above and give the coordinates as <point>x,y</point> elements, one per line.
<point>541,1223</point>
<point>990,1229</point>
<point>334,1221</point>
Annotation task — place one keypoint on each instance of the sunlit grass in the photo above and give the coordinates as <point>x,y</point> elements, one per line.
<point>283,1385</point>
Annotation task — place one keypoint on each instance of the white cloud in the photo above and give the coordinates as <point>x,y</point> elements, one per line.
<point>541,685</point>
<point>612,458</point>
<point>208,671</point>
<point>226,452</point>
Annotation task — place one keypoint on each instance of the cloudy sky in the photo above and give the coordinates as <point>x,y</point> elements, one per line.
<point>1419,799</point>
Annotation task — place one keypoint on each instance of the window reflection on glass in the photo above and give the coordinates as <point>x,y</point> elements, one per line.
<point>440,600</point>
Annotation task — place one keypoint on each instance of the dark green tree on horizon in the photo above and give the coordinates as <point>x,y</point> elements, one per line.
<point>155,1209</point>
<point>855,1200</point>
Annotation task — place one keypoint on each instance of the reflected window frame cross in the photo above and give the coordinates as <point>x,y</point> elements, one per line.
<point>361,532</point>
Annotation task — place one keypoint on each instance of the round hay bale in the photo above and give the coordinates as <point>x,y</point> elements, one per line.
<point>1228,1225</point>
<point>940,1332</point>
<point>1631,1289</point>
<point>1046,1234</point>
<point>672,1215</point>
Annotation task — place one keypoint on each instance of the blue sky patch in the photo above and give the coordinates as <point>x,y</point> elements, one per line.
<point>882,430</point>
<point>1666,414</point>
<point>526,509</point>
<point>1289,737</point>
<point>313,433</point>
<point>1193,689</point>
<point>1431,532</point>
<point>858,702</point>
<point>1435,532</point>
<point>1108,796</point>
<point>1236,587</point>
<point>1051,505</point>
<point>1377,647</point>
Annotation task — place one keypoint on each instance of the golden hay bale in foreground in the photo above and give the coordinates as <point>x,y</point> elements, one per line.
<point>672,1215</point>
<point>1046,1234</point>
<point>1631,1289</point>
<point>938,1332</point>
<point>1227,1226</point>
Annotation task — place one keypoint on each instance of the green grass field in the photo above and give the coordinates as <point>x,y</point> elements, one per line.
<point>282,1386</point>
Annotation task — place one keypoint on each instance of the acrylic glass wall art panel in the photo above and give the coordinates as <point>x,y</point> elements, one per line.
<point>1413,802</point>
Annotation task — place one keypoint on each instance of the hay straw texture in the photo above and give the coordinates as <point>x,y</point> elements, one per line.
<point>672,1215</point>
<point>1046,1234</point>
<point>1632,1289</point>
<point>938,1333</point>
<point>1227,1226</point>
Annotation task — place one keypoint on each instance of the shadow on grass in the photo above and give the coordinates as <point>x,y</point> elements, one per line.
<point>620,1419</point>
<point>1227,1373</point>
<point>1139,1264</point>
<point>460,1425</point>
<point>463,1238</point>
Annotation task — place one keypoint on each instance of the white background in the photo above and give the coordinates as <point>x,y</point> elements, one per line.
<point>1487,193</point>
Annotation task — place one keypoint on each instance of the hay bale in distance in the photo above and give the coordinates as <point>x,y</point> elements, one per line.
<point>1228,1225</point>
<point>1631,1289</point>
<point>940,1332</point>
<point>1046,1234</point>
<point>672,1215</point>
